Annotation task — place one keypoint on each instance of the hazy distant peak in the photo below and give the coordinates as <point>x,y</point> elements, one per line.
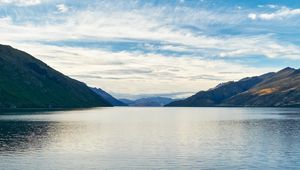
<point>108,97</point>
<point>149,101</point>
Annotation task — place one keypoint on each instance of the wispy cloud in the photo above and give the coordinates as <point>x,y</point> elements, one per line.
<point>148,33</point>
<point>21,2</point>
<point>281,13</point>
<point>272,6</point>
<point>62,8</point>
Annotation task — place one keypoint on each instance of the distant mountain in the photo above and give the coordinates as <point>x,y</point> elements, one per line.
<point>148,102</point>
<point>126,101</point>
<point>26,82</point>
<point>272,89</point>
<point>113,101</point>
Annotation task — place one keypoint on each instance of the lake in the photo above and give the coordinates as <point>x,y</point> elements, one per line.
<point>152,138</point>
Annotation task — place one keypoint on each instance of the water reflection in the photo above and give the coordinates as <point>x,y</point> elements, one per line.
<point>35,136</point>
<point>23,136</point>
<point>144,138</point>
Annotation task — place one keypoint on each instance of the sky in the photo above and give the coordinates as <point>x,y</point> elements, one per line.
<point>141,48</point>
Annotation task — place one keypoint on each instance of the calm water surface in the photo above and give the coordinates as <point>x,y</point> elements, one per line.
<point>150,138</point>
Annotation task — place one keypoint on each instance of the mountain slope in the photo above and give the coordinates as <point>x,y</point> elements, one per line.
<point>220,93</point>
<point>26,82</point>
<point>282,89</point>
<point>113,101</point>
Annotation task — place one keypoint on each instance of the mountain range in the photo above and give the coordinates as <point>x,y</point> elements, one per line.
<point>26,82</point>
<point>148,102</point>
<point>275,89</point>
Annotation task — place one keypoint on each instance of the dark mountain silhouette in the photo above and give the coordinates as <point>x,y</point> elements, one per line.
<point>26,82</point>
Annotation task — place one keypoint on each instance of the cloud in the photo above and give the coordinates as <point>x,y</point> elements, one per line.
<point>252,16</point>
<point>272,6</point>
<point>144,33</point>
<point>5,21</point>
<point>21,2</point>
<point>265,47</point>
<point>62,8</point>
<point>144,26</point>
<point>282,13</point>
<point>149,30</point>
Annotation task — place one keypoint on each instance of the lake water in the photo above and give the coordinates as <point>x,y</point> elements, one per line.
<point>150,138</point>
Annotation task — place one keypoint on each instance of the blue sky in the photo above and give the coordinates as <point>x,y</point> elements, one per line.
<point>144,48</point>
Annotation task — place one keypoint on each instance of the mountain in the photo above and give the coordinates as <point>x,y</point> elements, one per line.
<point>281,90</point>
<point>26,82</point>
<point>113,101</point>
<point>149,102</point>
<point>272,89</point>
<point>221,92</point>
